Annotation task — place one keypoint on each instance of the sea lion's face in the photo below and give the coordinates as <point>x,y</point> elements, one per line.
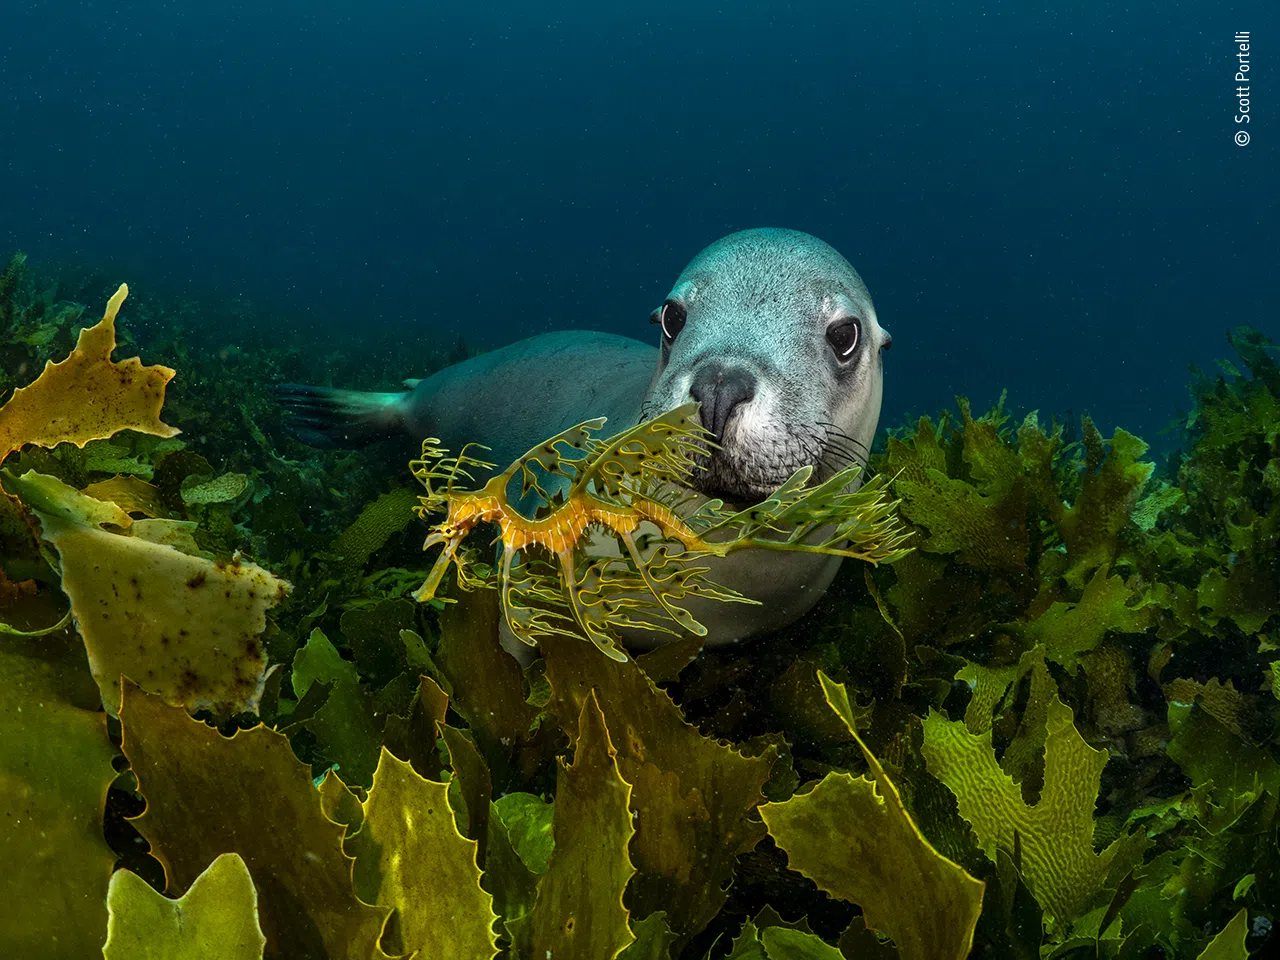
<point>775,335</point>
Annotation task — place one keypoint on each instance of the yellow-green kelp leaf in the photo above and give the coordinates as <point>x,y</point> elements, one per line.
<point>1052,841</point>
<point>653,939</point>
<point>180,626</point>
<point>692,796</point>
<point>87,395</point>
<point>411,852</point>
<point>1068,630</point>
<point>528,820</point>
<point>217,919</point>
<point>855,840</point>
<point>345,728</point>
<point>55,768</point>
<point>1235,772</point>
<point>579,913</point>
<point>1114,478</point>
<point>985,522</point>
<point>208,794</point>
<point>1229,944</point>
<point>378,522</point>
<point>782,943</point>
<point>484,682</point>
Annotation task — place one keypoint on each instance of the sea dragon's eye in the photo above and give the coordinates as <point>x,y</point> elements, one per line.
<point>672,317</point>
<point>844,337</point>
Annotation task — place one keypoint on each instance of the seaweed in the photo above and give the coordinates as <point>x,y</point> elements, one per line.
<point>1059,709</point>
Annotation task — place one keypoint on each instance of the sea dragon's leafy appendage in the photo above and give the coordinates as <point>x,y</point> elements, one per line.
<point>633,487</point>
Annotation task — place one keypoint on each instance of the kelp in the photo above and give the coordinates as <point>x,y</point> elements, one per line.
<point>856,840</point>
<point>634,488</point>
<point>1065,696</point>
<point>217,919</point>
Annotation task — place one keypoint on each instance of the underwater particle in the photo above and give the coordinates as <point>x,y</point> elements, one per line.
<point>181,626</point>
<point>420,864</point>
<point>856,840</point>
<point>217,919</point>
<point>87,396</point>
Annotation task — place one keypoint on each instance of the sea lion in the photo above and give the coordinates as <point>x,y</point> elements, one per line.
<point>771,330</point>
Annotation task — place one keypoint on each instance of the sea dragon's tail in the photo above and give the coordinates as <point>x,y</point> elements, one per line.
<point>324,417</point>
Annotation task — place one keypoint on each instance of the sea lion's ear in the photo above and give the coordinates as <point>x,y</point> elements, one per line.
<point>656,316</point>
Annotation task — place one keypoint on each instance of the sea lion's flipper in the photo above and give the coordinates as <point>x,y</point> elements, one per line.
<point>324,417</point>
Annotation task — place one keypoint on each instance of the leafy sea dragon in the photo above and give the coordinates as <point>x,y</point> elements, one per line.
<point>558,577</point>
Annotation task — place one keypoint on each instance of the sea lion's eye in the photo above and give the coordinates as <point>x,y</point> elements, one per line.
<point>844,336</point>
<point>672,317</point>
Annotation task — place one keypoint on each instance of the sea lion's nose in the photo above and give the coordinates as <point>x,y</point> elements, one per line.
<point>721,389</point>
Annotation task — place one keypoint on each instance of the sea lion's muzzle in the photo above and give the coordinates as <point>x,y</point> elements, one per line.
<point>721,390</point>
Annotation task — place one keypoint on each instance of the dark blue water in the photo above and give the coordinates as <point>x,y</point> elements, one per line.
<point>1050,202</point>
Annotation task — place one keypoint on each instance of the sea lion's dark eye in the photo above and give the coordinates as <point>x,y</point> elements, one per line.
<point>672,318</point>
<point>844,336</point>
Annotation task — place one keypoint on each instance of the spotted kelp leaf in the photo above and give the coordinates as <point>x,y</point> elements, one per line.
<point>1052,841</point>
<point>410,851</point>
<point>579,911</point>
<point>856,840</point>
<point>1069,630</point>
<point>1229,944</point>
<point>55,768</point>
<point>632,491</point>
<point>87,396</point>
<point>217,919</point>
<point>208,794</point>
<point>181,626</point>
<point>693,797</point>
<point>228,488</point>
<point>347,732</point>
